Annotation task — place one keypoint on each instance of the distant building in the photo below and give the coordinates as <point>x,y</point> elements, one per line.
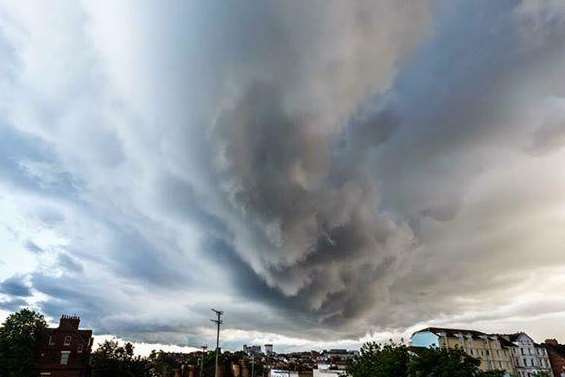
<point>337,356</point>
<point>528,357</point>
<point>65,351</point>
<point>493,352</point>
<point>556,354</point>
<point>269,349</point>
<point>289,373</point>
<point>251,350</point>
<point>326,370</point>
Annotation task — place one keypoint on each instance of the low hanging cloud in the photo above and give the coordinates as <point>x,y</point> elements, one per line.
<point>341,168</point>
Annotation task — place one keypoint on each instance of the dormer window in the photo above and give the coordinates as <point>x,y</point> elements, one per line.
<point>68,340</point>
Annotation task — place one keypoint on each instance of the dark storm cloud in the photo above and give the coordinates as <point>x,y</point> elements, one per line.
<point>310,194</point>
<point>339,167</point>
<point>28,164</point>
<point>13,305</point>
<point>70,264</point>
<point>137,258</point>
<point>179,199</point>
<point>314,220</point>
<point>15,286</point>
<point>72,295</point>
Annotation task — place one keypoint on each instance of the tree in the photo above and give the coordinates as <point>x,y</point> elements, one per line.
<point>113,360</point>
<point>19,336</point>
<point>163,364</point>
<point>441,362</point>
<point>375,360</point>
<point>392,360</point>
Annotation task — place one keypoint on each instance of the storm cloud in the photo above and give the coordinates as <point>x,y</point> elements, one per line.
<point>340,168</point>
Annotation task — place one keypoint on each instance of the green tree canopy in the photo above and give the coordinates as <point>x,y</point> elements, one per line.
<point>375,360</point>
<point>19,336</point>
<point>113,360</point>
<point>391,360</point>
<point>441,362</point>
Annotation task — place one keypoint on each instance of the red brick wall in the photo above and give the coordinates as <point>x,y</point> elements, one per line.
<point>49,355</point>
<point>556,353</point>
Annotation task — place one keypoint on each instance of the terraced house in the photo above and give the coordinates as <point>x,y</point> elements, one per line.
<point>529,358</point>
<point>493,352</point>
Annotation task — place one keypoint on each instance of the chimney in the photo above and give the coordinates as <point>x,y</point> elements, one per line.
<point>69,322</point>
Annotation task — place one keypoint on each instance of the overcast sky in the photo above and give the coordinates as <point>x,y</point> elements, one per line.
<point>325,172</point>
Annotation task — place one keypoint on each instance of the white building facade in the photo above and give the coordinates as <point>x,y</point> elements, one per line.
<point>528,357</point>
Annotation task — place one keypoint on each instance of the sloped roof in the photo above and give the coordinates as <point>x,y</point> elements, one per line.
<point>453,332</point>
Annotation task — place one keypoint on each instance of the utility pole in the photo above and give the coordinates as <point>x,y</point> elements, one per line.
<point>218,322</point>
<point>204,348</point>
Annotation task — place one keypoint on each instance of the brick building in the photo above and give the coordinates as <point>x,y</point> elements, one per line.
<point>65,351</point>
<point>556,354</point>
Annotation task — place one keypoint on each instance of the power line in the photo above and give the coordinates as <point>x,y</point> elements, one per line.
<point>218,323</point>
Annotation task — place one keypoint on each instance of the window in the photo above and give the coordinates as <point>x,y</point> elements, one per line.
<point>65,357</point>
<point>52,340</point>
<point>525,362</point>
<point>79,348</point>
<point>68,340</point>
